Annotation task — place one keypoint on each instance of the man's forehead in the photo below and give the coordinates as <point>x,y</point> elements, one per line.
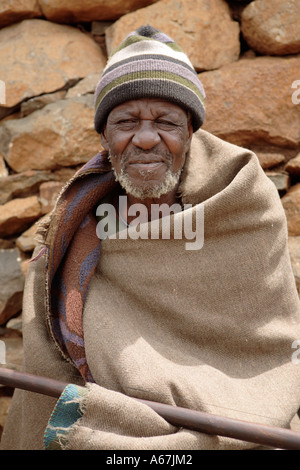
<point>150,105</point>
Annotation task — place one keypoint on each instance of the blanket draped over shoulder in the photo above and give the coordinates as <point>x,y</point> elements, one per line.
<point>209,329</point>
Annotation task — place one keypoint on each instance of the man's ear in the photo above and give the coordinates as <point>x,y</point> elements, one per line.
<point>104,142</point>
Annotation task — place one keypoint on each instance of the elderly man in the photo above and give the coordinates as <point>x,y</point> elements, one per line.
<point>118,311</point>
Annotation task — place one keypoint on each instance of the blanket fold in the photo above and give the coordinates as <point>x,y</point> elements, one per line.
<point>73,243</point>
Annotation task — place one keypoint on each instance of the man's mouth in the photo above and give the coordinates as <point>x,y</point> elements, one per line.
<point>145,158</point>
<point>147,162</point>
<point>146,165</point>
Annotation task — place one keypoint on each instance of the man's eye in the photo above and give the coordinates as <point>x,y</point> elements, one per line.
<point>127,123</point>
<point>165,124</point>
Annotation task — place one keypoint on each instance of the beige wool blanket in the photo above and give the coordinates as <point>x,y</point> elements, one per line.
<point>209,329</point>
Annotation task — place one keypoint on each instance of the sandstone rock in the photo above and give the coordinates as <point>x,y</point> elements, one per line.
<point>6,244</point>
<point>5,402</point>
<point>9,113</point>
<point>14,11</point>
<point>22,184</point>
<point>85,86</point>
<point>12,284</point>
<point>64,174</point>
<point>38,102</point>
<point>293,166</point>
<point>291,205</point>
<point>15,323</point>
<point>60,134</point>
<point>249,102</point>
<point>26,242</point>
<point>48,195</point>
<point>196,25</point>
<point>272,27</point>
<point>72,11</point>
<point>294,250</point>
<point>280,179</point>
<point>98,28</point>
<point>237,7</point>
<point>18,214</point>
<point>38,57</point>
<point>270,159</point>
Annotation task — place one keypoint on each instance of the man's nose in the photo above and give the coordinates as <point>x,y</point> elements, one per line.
<point>146,136</point>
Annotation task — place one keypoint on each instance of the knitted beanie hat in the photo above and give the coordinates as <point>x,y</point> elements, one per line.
<point>149,64</point>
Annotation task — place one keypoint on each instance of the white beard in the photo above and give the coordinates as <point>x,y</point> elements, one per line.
<point>146,190</point>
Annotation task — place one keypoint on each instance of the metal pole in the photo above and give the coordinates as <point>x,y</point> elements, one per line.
<point>270,436</point>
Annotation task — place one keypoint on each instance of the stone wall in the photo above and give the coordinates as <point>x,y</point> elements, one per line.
<point>247,54</point>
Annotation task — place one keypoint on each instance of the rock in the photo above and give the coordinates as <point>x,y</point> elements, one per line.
<point>14,11</point>
<point>64,174</point>
<point>6,244</point>
<point>291,205</point>
<point>237,7</point>
<point>98,28</point>
<point>38,102</point>
<point>272,27</point>
<point>38,57</point>
<point>22,184</point>
<point>15,323</point>
<point>270,159</point>
<point>12,284</point>
<point>294,250</point>
<point>5,402</point>
<point>197,34</point>
<point>60,134</point>
<point>26,242</point>
<point>73,11</point>
<point>9,113</point>
<point>280,179</point>
<point>249,102</point>
<point>18,214</point>
<point>48,195</point>
<point>293,166</point>
<point>85,86</point>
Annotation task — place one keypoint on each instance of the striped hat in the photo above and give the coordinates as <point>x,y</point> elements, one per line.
<point>149,64</point>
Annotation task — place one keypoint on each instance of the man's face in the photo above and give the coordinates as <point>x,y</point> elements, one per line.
<point>147,140</point>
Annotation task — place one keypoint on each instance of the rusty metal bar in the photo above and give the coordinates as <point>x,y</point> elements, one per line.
<point>269,436</point>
